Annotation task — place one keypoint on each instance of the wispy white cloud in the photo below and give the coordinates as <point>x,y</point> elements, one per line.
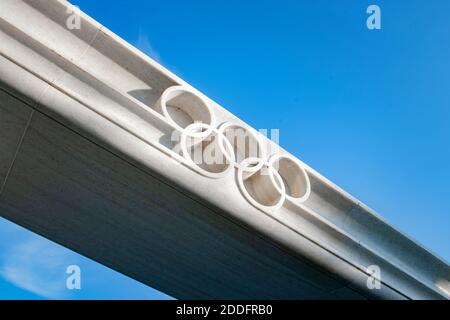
<point>143,44</point>
<point>39,266</point>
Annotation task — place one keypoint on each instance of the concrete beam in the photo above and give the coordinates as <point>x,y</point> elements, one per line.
<point>86,125</point>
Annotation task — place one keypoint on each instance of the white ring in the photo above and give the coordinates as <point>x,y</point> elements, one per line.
<point>222,136</point>
<point>187,157</point>
<point>161,105</point>
<point>273,174</point>
<point>305,177</point>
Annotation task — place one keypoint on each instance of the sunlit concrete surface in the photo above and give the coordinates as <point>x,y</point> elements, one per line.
<point>87,161</point>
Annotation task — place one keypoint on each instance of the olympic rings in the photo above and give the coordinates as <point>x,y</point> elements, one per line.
<point>266,184</point>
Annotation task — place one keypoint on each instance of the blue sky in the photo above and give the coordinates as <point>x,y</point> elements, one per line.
<point>370,110</point>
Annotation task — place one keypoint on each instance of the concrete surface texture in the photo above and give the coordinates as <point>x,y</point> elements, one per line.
<point>109,154</point>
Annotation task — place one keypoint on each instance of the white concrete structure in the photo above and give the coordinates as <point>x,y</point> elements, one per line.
<point>87,159</point>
